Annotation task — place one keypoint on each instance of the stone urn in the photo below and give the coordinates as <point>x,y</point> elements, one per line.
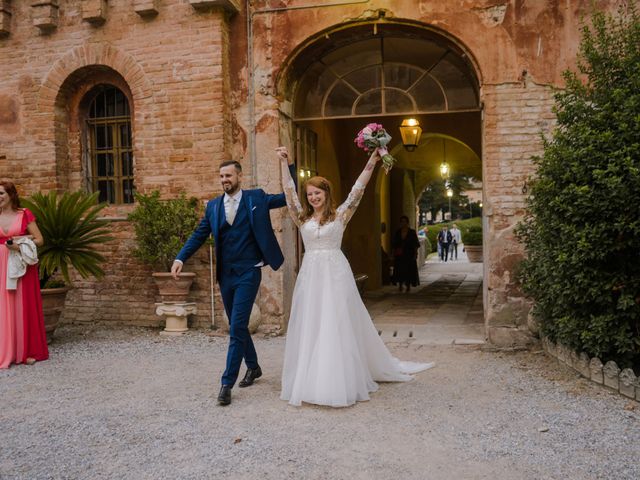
<point>474,253</point>
<point>52,305</point>
<point>174,291</point>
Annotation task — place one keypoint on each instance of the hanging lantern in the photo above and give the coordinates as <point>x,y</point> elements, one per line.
<point>410,131</point>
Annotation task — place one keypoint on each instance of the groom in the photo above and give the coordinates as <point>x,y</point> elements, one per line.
<point>244,242</point>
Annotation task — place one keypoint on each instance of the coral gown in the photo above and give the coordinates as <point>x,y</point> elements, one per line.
<point>22,333</point>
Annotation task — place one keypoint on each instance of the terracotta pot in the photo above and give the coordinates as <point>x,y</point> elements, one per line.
<point>174,291</point>
<point>52,305</point>
<point>474,253</point>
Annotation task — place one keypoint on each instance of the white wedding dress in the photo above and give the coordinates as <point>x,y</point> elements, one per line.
<point>333,353</point>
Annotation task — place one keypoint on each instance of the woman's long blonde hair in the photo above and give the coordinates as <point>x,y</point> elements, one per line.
<point>329,213</point>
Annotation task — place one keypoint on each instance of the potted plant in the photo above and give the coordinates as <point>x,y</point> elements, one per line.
<point>71,231</point>
<point>472,240</point>
<point>161,228</point>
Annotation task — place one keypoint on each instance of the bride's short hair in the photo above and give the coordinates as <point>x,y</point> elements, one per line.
<point>329,213</point>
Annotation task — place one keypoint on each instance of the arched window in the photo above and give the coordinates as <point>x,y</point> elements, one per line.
<point>110,168</point>
<point>386,75</point>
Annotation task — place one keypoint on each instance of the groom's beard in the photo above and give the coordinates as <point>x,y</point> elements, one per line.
<point>230,188</point>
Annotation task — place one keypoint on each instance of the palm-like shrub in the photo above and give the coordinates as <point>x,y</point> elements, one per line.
<point>71,230</point>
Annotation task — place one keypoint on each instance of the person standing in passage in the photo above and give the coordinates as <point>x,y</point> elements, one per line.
<point>405,254</point>
<point>456,238</point>
<point>444,240</point>
<point>22,333</point>
<point>244,243</point>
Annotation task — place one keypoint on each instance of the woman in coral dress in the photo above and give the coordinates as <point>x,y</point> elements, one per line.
<point>333,353</point>
<point>22,334</point>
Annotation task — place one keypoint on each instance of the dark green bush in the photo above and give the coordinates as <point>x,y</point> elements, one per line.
<point>582,232</point>
<point>161,227</point>
<point>472,235</point>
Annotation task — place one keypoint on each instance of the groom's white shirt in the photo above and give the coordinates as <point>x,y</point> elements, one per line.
<point>231,203</point>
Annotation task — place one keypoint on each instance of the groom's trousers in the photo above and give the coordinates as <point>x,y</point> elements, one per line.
<point>239,290</point>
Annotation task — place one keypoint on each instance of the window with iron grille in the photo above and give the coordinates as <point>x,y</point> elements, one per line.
<point>110,170</point>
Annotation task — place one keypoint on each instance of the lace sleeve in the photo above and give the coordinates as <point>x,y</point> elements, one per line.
<point>348,208</point>
<point>289,188</point>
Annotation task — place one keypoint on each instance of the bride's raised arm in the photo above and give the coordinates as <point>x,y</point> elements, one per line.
<point>348,208</point>
<point>288,186</point>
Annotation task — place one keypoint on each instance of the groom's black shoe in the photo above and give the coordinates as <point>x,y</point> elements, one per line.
<point>224,397</point>
<point>251,375</point>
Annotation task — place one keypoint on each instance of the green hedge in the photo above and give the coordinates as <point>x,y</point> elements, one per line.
<point>472,236</point>
<point>582,233</point>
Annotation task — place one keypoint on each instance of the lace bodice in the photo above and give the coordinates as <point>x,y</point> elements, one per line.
<point>322,237</point>
<point>314,235</point>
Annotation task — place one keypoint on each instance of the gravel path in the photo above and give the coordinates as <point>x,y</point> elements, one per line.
<point>129,404</point>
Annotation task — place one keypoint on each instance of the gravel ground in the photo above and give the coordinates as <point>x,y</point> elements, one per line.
<point>127,403</point>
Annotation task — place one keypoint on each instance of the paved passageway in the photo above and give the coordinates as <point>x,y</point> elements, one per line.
<point>445,308</point>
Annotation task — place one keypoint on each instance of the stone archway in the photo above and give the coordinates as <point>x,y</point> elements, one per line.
<point>344,78</point>
<point>331,90</point>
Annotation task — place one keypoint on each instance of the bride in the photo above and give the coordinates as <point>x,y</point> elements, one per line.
<point>333,353</point>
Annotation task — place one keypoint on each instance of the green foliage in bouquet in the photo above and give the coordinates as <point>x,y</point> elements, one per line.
<point>71,230</point>
<point>582,232</point>
<point>162,227</point>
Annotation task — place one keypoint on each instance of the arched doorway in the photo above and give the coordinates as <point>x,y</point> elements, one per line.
<point>383,73</point>
<point>345,78</point>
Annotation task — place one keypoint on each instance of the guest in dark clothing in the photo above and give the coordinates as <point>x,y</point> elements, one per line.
<point>405,253</point>
<point>444,239</point>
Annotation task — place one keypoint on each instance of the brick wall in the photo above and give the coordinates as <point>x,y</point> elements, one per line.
<point>515,116</point>
<point>172,66</point>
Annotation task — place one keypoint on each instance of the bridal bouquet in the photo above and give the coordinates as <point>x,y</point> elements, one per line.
<point>375,136</point>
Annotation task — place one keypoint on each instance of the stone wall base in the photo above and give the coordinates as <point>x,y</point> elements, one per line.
<point>609,375</point>
<point>509,337</point>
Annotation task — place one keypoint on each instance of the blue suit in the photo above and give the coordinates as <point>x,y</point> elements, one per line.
<point>239,249</point>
